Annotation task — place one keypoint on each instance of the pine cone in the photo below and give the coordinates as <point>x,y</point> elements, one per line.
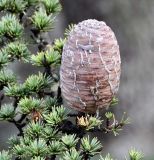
<point>91,67</point>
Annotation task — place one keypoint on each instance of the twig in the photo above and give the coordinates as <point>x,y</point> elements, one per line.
<point>1,98</point>
<point>59,97</point>
<point>70,128</point>
<point>23,116</point>
<point>15,103</point>
<point>107,122</point>
<point>79,114</point>
<point>51,94</point>
<point>17,158</point>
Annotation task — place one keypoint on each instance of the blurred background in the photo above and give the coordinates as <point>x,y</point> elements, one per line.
<point>132,21</point>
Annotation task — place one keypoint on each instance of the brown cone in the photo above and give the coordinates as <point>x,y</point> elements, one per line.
<point>90,69</point>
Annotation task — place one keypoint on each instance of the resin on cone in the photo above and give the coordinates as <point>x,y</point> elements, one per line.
<point>91,67</point>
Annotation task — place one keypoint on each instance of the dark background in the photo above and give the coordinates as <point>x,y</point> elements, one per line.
<point>133,23</point>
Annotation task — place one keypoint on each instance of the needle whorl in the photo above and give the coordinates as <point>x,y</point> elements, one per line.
<point>90,69</point>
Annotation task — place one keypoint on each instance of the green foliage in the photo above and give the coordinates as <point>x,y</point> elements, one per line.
<point>52,6</point>
<point>4,59</point>
<point>50,102</point>
<point>69,29</point>
<point>31,148</point>
<point>57,116</point>
<point>42,21</point>
<point>73,154</point>
<point>109,115</point>
<point>37,148</point>
<point>113,125</point>
<point>135,155</point>
<point>3,4</point>
<point>34,130</point>
<point>107,157</point>
<point>28,105</point>
<point>49,57</point>
<point>19,150</point>
<point>6,78</point>
<point>10,27</point>
<point>14,6</point>
<point>114,101</point>
<point>89,122</point>
<point>31,2</point>
<point>94,122</point>
<point>4,155</point>
<point>17,50</point>
<point>59,44</point>
<point>49,133</point>
<point>117,127</point>
<point>7,112</point>
<point>56,148</point>
<point>15,90</point>
<point>124,119</point>
<point>69,141</point>
<point>25,140</point>
<point>37,83</point>
<point>92,147</point>
<point>14,141</point>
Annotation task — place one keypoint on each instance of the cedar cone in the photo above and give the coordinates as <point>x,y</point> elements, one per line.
<point>91,67</point>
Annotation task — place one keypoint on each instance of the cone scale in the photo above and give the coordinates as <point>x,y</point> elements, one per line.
<point>91,67</point>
